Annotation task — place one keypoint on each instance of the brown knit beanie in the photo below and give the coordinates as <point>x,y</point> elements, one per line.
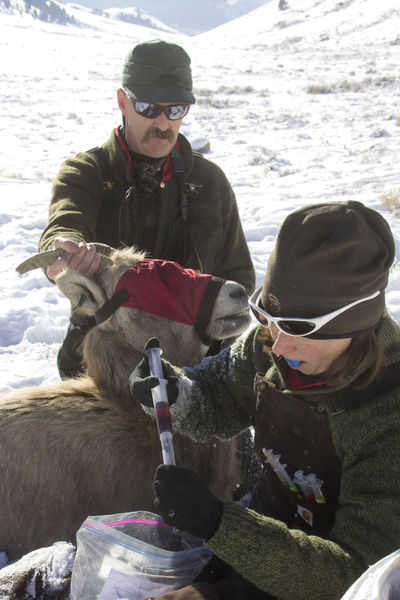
<point>326,256</point>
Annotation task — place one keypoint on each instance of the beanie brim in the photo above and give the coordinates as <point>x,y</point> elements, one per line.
<point>156,93</point>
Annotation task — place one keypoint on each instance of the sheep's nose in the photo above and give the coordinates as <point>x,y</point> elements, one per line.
<point>238,291</point>
<point>235,290</point>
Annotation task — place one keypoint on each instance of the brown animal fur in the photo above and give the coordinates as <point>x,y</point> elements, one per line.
<point>83,447</point>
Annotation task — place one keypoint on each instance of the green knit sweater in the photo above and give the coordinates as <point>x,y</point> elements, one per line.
<point>288,563</point>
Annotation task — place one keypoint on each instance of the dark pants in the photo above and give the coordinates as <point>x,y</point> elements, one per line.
<point>69,358</point>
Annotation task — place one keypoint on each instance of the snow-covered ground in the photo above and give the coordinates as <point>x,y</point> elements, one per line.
<point>300,106</point>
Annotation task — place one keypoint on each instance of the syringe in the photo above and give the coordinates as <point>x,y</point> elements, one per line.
<point>316,485</point>
<point>160,401</point>
<point>302,481</point>
<point>279,468</point>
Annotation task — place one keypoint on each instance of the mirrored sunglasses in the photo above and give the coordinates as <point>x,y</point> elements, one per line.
<point>292,325</point>
<point>173,112</point>
<point>151,111</point>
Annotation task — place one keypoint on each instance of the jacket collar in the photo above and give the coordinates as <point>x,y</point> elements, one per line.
<point>118,154</point>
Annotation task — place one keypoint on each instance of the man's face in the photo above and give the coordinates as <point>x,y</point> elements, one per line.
<point>150,137</point>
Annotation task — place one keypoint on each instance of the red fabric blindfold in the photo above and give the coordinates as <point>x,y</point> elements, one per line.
<point>165,289</point>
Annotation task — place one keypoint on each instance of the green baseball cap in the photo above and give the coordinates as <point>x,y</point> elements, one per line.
<point>158,71</point>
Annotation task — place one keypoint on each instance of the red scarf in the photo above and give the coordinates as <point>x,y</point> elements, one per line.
<point>296,382</point>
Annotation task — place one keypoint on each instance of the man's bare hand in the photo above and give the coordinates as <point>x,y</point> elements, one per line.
<point>80,257</point>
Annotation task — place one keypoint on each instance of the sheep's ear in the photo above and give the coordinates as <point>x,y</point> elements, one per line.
<point>84,293</point>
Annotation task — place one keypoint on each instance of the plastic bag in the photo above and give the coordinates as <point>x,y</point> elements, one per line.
<point>380,582</point>
<point>133,556</point>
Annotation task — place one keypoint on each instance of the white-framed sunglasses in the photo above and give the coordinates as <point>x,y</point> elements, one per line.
<point>292,325</point>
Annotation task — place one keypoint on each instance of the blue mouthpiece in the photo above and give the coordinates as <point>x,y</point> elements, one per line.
<point>293,363</point>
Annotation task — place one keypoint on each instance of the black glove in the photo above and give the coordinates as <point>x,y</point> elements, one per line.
<point>185,502</point>
<point>141,382</point>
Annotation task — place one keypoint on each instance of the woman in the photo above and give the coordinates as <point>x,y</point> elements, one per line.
<point>323,395</point>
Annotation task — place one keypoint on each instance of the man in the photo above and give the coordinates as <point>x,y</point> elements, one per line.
<point>146,187</point>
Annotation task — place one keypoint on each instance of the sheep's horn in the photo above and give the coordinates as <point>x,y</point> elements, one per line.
<point>46,258</point>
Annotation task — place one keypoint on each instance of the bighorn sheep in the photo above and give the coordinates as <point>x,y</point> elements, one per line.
<point>82,447</point>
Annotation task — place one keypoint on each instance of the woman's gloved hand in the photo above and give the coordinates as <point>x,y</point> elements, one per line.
<point>141,382</point>
<point>185,502</point>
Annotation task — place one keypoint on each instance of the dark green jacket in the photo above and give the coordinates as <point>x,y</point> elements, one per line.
<point>89,205</point>
<point>289,563</point>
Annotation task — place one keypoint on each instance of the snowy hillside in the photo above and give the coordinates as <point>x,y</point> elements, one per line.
<point>137,16</point>
<point>299,106</point>
<point>191,16</point>
<point>60,13</point>
<point>49,11</point>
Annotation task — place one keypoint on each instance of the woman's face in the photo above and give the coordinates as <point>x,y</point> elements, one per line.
<point>315,356</point>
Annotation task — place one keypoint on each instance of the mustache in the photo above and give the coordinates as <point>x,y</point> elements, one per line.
<point>168,134</point>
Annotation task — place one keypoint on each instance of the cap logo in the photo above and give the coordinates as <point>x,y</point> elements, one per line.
<point>168,78</point>
<point>274,305</point>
